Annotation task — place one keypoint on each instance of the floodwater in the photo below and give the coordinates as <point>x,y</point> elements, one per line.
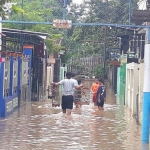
<point>38,126</point>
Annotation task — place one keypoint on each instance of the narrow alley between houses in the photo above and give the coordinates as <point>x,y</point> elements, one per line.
<point>39,126</point>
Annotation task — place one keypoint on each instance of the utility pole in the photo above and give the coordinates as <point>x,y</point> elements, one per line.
<point>22,27</point>
<point>105,40</point>
<point>129,12</point>
<point>64,10</point>
<point>146,90</point>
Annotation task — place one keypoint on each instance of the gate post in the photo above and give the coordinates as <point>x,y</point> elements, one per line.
<point>146,90</point>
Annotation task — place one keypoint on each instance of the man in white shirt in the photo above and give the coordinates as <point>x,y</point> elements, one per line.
<point>73,77</point>
<point>68,91</point>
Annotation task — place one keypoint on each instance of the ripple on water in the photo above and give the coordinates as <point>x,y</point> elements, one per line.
<point>38,126</point>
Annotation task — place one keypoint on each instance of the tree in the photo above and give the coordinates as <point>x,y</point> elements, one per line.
<point>98,70</point>
<point>61,2</point>
<point>93,11</point>
<point>7,7</point>
<point>51,44</point>
<point>39,11</point>
<point>92,37</point>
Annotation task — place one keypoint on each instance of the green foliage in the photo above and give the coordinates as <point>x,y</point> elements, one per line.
<point>98,70</point>
<point>39,11</point>
<point>17,9</point>
<point>5,10</point>
<point>93,11</point>
<point>83,41</point>
<point>51,44</point>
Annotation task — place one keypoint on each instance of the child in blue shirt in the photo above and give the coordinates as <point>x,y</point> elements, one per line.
<point>101,95</point>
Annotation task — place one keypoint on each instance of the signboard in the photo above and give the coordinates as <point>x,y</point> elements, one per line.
<point>115,54</point>
<point>115,63</point>
<point>124,58</point>
<point>62,24</point>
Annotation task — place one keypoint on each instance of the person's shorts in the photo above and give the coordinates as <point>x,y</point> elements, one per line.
<point>67,102</point>
<point>101,104</point>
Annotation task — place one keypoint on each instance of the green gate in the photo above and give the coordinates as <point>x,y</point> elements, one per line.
<point>121,83</point>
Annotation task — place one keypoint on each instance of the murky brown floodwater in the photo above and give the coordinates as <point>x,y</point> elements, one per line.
<point>38,126</point>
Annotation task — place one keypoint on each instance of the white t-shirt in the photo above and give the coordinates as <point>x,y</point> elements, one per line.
<point>68,86</point>
<point>75,81</point>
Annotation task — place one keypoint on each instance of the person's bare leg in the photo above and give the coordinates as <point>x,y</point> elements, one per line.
<point>76,105</point>
<point>69,112</point>
<point>64,111</point>
<point>80,104</point>
<point>100,108</point>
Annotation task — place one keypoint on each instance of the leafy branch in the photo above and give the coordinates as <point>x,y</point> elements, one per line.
<point>53,43</point>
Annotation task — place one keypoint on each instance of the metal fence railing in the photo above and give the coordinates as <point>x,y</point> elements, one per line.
<point>55,95</point>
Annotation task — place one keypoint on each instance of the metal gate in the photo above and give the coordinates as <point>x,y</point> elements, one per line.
<point>38,86</point>
<point>54,95</point>
<point>15,75</point>
<point>6,77</point>
<point>24,95</point>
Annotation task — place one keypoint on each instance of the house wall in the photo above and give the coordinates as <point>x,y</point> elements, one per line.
<point>51,62</point>
<point>141,85</point>
<point>132,81</point>
<point>134,89</point>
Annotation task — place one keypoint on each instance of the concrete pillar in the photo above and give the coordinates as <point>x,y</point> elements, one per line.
<point>146,90</point>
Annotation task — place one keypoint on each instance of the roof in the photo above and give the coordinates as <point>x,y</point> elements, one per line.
<point>25,32</point>
<point>24,36</point>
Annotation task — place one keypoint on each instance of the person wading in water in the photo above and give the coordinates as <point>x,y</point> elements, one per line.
<point>68,92</point>
<point>94,90</point>
<point>101,95</point>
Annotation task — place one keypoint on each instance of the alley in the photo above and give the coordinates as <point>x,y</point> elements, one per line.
<point>38,126</point>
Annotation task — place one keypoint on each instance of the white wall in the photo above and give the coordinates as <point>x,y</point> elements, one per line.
<point>141,84</point>
<point>49,76</point>
<point>132,83</point>
<point>134,88</point>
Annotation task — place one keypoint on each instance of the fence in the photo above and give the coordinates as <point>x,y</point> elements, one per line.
<point>85,65</point>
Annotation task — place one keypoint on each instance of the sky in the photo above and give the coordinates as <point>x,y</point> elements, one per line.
<point>77,1</point>
<point>142,4</point>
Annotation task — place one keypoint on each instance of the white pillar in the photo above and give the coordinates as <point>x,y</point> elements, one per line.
<point>146,90</point>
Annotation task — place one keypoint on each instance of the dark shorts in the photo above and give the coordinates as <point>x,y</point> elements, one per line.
<point>67,102</point>
<point>101,104</point>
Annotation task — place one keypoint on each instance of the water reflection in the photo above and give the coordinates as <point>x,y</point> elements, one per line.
<point>38,126</point>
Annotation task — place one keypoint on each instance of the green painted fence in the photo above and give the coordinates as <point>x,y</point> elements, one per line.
<point>121,83</point>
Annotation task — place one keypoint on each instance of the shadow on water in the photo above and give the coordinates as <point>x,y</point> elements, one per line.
<point>145,146</point>
<point>39,126</point>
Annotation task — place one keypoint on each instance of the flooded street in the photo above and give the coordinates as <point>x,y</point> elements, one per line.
<point>38,126</point>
